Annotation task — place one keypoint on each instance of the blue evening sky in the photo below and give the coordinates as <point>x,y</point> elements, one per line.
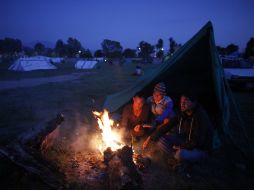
<point>126,21</point>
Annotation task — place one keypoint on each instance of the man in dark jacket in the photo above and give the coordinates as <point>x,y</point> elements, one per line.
<point>191,133</point>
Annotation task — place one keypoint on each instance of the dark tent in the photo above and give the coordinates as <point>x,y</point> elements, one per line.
<point>195,68</point>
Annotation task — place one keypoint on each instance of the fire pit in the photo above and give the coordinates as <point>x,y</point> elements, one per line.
<point>121,170</point>
<point>110,164</point>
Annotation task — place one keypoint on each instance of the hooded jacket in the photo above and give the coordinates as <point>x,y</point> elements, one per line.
<point>194,131</point>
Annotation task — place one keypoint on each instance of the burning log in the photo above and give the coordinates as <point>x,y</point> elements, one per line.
<point>25,152</point>
<point>141,162</point>
<point>121,170</point>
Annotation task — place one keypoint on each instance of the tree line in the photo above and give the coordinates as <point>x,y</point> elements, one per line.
<point>109,48</point>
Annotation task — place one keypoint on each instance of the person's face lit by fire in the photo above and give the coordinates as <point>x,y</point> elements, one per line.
<point>186,104</point>
<point>138,103</point>
<point>157,96</point>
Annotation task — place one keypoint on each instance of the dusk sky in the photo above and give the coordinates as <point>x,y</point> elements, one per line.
<point>126,21</point>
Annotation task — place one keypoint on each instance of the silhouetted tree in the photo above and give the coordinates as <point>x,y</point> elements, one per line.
<point>28,51</point>
<point>111,49</point>
<point>172,45</point>
<point>39,48</point>
<point>221,50</point>
<point>160,54</point>
<point>159,44</point>
<point>98,53</point>
<point>10,46</point>
<point>159,48</point>
<point>86,53</point>
<point>129,53</point>
<point>49,52</point>
<point>73,46</point>
<point>146,50</point>
<point>231,48</point>
<point>61,48</point>
<point>249,50</point>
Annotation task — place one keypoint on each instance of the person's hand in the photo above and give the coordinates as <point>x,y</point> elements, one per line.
<point>137,128</point>
<point>147,126</point>
<point>177,152</point>
<point>166,121</point>
<point>175,147</point>
<point>147,141</point>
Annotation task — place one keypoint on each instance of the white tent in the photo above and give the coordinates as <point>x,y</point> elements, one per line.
<point>82,64</point>
<point>39,57</point>
<point>32,63</point>
<point>100,59</point>
<point>56,59</point>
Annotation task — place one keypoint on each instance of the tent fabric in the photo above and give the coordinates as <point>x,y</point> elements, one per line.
<point>194,68</point>
<point>32,63</point>
<point>81,64</point>
<point>189,69</point>
<point>56,59</point>
<point>100,59</point>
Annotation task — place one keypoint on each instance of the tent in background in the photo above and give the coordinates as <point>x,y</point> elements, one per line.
<point>56,59</point>
<point>196,68</point>
<point>83,64</point>
<point>99,59</point>
<point>32,63</point>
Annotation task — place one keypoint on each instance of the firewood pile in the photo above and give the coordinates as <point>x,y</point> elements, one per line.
<point>114,170</point>
<point>121,171</point>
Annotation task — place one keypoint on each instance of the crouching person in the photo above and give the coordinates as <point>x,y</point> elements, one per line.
<point>134,118</point>
<point>188,137</point>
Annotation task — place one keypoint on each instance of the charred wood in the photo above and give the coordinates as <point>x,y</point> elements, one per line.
<point>121,170</point>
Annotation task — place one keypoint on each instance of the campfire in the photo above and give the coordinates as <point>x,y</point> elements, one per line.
<point>106,162</point>
<point>122,171</point>
<point>110,138</point>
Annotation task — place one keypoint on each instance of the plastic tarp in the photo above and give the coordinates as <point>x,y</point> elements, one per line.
<point>81,64</point>
<point>32,63</point>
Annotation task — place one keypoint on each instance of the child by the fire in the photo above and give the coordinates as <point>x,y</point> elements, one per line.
<point>161,106</point>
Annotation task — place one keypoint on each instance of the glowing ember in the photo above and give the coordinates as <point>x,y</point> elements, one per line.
<point>110,138</point>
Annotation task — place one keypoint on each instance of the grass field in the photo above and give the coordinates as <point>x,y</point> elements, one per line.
<point>22,108</point>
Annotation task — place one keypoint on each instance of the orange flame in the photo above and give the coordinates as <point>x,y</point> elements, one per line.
<point>110,138</point>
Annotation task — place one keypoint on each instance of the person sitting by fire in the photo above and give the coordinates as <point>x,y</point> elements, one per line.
<point>190,133</point>
<point>134,117</point>
<point>161,107</point>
